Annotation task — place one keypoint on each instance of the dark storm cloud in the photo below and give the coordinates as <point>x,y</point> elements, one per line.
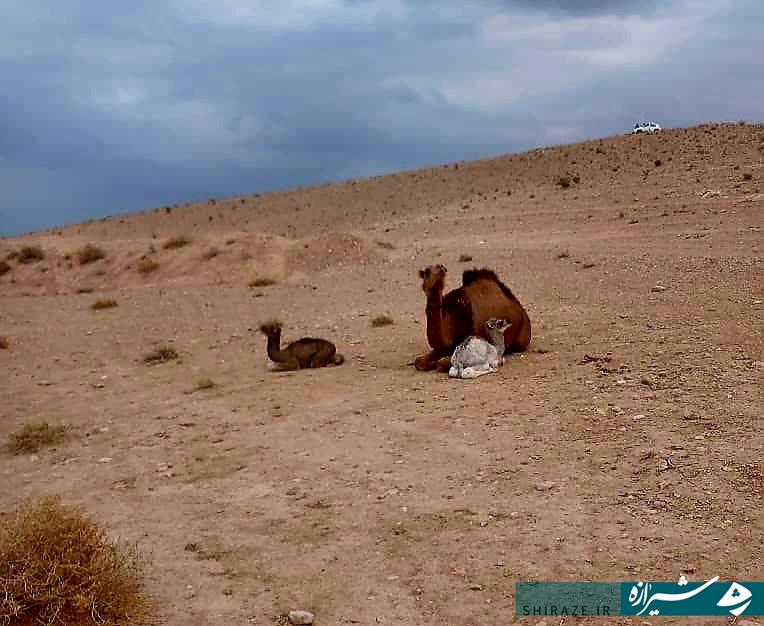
<point>110,108</point>
<point>587,7</point>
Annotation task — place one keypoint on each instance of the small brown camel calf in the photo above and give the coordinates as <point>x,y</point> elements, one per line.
<point>307,352</point>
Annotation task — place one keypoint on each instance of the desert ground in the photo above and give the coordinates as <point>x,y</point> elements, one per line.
<point>625,444</point>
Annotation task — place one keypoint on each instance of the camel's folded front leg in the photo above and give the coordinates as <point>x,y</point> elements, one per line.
<point>443,364</point>
<point>436,359</point>
<point>426,362</point>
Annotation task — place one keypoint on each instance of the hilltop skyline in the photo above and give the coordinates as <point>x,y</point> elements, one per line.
<point>119,109</point>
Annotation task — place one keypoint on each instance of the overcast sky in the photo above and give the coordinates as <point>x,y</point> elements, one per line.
<point>109,107</point>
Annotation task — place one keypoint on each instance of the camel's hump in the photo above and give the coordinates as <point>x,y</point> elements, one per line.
<point>470,276</point>
<point>475,274</point>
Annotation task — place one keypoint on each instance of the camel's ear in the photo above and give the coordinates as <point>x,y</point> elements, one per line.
<point>443,267</point>
<point>421,274</point>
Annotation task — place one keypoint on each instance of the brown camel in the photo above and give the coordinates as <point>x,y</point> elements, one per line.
<point>303,353</point>
<point>464,311</point>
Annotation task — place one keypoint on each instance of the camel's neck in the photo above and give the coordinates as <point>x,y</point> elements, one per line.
<point>434,312</point>
<point>274,348</point>
<point>497,339</point>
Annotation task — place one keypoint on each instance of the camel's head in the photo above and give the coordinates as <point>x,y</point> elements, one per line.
<point>433,277</point>
<point>270,328</point>
<point>496,327</point>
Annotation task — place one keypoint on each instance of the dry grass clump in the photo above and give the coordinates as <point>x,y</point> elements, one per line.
<point>204,384</point>
<point>103,303</point>
<point>58,567</point>
<point>263,281</point>
<point>382,320</point>
<point>4,344</point>
<point>162,354</point>
<point>32,437</point>
<point>176,242</point>
<point>89,254</point>
<point>30,254</point>
<point>147,266</point>
<point>4,267</point>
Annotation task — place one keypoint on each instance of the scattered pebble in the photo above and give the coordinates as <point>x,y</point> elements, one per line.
<point>300,618</point>
<point>545,486</point>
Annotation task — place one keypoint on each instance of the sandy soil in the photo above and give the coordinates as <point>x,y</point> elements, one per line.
<point>625,444</point>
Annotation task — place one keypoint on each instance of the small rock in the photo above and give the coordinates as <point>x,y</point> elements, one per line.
<point>189,592</point>
<point>300,618</point>
<point>639,416</point>
<point>658,289</point>
<point>106,459</point>
<point>476,587</point>
<point>545,486</point>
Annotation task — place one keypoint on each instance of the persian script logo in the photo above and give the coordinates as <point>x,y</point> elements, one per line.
<point>644,595</point>
<point>682,598</point>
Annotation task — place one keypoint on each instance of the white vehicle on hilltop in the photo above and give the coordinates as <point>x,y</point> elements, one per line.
<point>646,127</point>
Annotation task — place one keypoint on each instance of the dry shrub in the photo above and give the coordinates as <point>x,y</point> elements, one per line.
<point>84,290</point>
<point>34,436</point>
<point>4,267</point>
<point>146,266</point>
<point>564,181</point>
<point>31,254</point>
<point>162,354</point>
<point>747,176</point>
<point>176,242</point>
<point>104,303</point>
<point>58,567</point>
<point>4,344</point>
<point>89,254</point>
<point>382,320</point>
<point>263,281</point>
<point>386,245</point>
<point>205,383</point>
